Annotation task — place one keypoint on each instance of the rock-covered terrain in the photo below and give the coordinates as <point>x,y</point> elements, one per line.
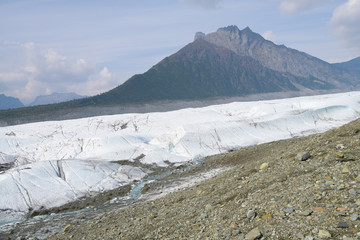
<point>302,188</point>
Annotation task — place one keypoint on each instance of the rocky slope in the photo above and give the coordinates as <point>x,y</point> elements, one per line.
<point>279,57</point>
<point>303,188</point>
<point>352,66</point>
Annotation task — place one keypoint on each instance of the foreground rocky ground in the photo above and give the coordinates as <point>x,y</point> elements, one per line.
<point>302,188</point>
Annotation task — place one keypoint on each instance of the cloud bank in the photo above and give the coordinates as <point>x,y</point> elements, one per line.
<point>296,6</point>
<point>345,22</point>
<point>38,72</point>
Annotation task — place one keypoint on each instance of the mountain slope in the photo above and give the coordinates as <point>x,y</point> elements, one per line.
<point>352,66</point>
<point>204,70</point>
<point>9,102</point>
<point>279,57</point>
<point>55,98</point>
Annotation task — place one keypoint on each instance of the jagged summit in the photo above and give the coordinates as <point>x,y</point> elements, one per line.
<point>199,35</point>
<point>234,29</point>
<point>230,28</point>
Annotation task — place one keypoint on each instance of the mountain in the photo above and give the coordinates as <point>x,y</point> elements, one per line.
<point>9,102</point>
<point>279,57</point>
<point>352,66</point>
<point>227,63</point>
<point>55,98</point>
<point>204,70</point>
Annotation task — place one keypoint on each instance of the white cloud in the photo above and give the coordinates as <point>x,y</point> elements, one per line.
<point>269,35</point>
<point>47,71</point>
<point>295,6</point>
<point>345,22</point>
<point>208,4</point>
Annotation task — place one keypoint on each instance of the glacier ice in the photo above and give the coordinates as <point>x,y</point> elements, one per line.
<point>60,161</point>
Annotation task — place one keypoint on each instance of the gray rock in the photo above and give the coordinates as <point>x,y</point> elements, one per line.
<point>309,238</point>
<point>251,214</point>
<point>303,156</point>
<point>352,191</point>
<point>305,213</point>
<point>203,217</point>
<point>235,232</point>
<point>288,210</point>
<point>343,225</point>
<point>253,234</point>
<point>300,236</point>
<point>354,217</point>
<point>324,234</point>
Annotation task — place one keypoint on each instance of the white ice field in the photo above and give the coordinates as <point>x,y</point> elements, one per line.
<point>60,161</point>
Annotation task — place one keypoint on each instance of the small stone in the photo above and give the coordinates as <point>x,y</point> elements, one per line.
<point>340,155</point>
<point>203,217</point>
<point>208,207</point>
<point>235,232</point>
<point>343,225</point>
<point>345,169</point>
<point>264,166</point>
<point>354,217</point>
<point>303,156</point>
<point>244,204</point>
<point>318,209</point>
<point>323,234</point>
<point>234,224</point>
<point>251,214</point>
<point>340,146</point>
<point>309,238</point>
<point>288,210</point>
<point>300,236</point>
<point>352,192</point>
<point>253,234</point>
<point>267,216</point>
<point>305,213</point>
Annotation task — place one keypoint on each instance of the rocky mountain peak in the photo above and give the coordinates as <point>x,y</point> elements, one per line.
<point>199,35</point>
<point>278,57</point>
<point>231,29</point>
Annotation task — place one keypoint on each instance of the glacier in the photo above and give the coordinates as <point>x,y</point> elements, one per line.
<point>56,162</point>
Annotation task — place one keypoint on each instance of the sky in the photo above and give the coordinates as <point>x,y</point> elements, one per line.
<point>91,46</point>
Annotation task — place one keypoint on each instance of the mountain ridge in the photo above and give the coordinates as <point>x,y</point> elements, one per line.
<point>55,97</point>
<point>7,102</point>
<point>352,66</point>
<point>279,57</point>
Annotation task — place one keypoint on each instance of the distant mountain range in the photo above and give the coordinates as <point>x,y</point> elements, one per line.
<point>55,98</point>
<point>229,62</point>
<point>12,102</point>
<point>9,102</point>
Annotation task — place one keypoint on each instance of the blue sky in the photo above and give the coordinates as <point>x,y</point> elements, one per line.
<point>91,46</point>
